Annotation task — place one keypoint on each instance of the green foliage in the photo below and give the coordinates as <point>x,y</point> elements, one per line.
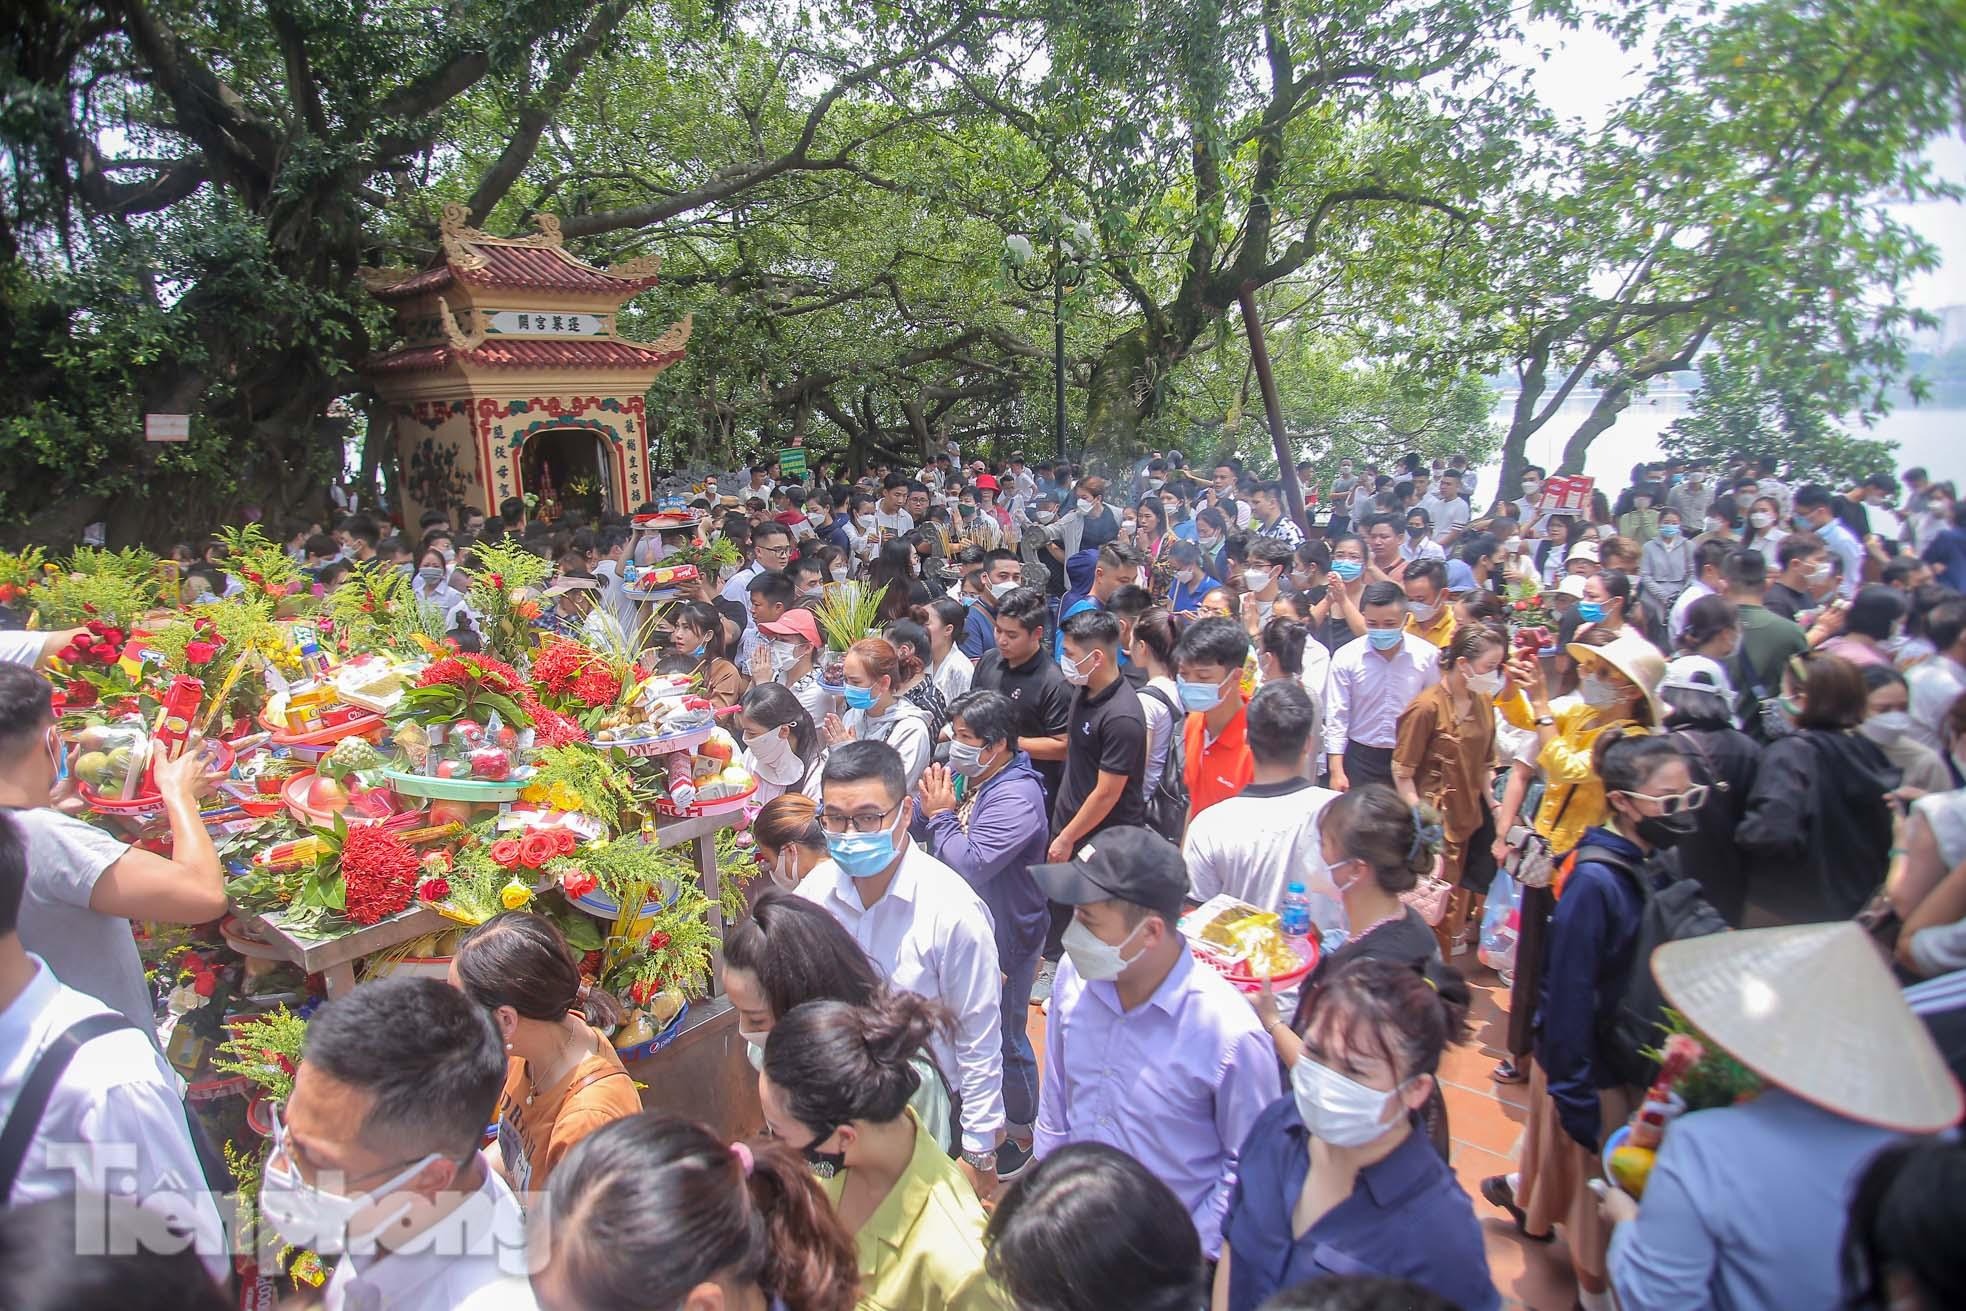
<point>585,774</point>
<point>376,608</point>
<point>265,1049</point>
<point>113,586</point>
<point>504,592</point>
<point>1737,414</point>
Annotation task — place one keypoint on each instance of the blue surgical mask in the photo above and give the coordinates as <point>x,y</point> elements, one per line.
<point>1384,639</point>
<point>859,698</point>
<point>861,855</point>
<point>1198,698</point>
<point>1668,530</point>
<point>1348,570</point>
<point>1590,612</point>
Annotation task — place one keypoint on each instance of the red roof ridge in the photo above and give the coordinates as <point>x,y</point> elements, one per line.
<point>540,262</point>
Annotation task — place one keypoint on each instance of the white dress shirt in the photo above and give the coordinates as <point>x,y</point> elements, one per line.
<point>114,1123</point>
<point>1848,550</point>
<point>1676,621</point>
<point>473,1259</point>
<point>932,935</point>
<point>1935,685</point>
<point>1368,690</point>
<point>738,589</point>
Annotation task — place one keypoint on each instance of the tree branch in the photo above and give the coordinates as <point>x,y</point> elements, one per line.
<point>541,108</point>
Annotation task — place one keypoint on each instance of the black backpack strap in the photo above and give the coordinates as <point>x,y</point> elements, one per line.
<point>25,1119</point>
<point>1606,856</point>
<point>1159,696</point>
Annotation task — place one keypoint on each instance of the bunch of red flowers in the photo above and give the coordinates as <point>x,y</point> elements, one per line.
<point>569,670</point>
<point>205,644</point>
<point>534,849</point>
<point>96,644</point>
<point>379,871</point>
<point>464,670</point>
<point>578,883</point>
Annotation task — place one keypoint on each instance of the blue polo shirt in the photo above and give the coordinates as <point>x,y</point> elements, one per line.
<point>1407,1218</point>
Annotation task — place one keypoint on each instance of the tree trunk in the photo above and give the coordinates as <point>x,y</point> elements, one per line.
<point>1611,402</point>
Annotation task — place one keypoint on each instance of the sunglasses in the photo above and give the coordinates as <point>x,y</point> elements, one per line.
<point>1691,799</point>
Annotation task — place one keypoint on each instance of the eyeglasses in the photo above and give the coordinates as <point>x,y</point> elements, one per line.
<point>866,821</point>
<point>774,550</point>
<point>1691,799</point>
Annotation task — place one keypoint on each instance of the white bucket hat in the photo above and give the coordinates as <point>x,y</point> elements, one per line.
<point>1812,1009</point>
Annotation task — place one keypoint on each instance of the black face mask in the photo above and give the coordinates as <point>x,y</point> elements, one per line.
<point>824,1164</point>
<point>1665,831</point>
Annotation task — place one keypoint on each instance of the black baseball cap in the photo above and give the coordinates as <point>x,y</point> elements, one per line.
<point>1127,864</point>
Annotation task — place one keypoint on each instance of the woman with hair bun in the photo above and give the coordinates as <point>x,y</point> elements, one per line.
<point>1337,1177</point>
<point>789,951</point>
<point>836,1086</point>
<point>876,709</point>
<point>656,1213</point>
<point>563,1080</point>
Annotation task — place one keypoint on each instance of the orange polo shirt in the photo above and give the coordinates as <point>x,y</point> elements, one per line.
<point>1218,770</point>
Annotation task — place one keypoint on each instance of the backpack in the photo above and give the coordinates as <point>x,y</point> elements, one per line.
<point>1633,1020</point>
<point>1167,804</point>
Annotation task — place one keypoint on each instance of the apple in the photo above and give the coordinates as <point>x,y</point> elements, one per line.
<point>492,763</point>
<point>326,794</point>
<point>508,737</point>
<point>450,812</point>
<point>450,769</point>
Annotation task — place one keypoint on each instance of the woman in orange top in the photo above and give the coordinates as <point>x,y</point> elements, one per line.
<point>564,1080</point>
<point>1445,754</point>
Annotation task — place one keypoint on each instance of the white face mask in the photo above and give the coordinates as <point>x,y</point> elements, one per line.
<point>1513,545</point>
<point>776,758</point>
<point>785,870</point>
<point>312,1217</point>
<point>866,522</point>
<point>1256,579</point>
<point>1000,590</point>
<point>1083,506</point>
<point>1340,1110</point>
<point>1597,692</point>
<point>754,1047</point>
<point>1093,958</point>
<point>1887,726</point>
<point>1761,519</point>
<point>1488,684</point>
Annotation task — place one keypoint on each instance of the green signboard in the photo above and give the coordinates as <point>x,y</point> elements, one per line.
<point>792,462</point>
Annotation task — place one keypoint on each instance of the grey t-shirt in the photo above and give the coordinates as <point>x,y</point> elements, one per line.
<point>89,951</point>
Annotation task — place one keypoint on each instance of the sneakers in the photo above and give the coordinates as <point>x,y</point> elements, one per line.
<point>1013,1158</point>
<point>1041,986</point>
<point>1496,1192</point>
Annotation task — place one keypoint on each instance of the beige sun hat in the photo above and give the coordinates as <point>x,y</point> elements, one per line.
<point>1635,658</point>
<point>1812,1008</point>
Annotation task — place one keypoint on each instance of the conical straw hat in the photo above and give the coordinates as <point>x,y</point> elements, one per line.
<point>1812,1008</point>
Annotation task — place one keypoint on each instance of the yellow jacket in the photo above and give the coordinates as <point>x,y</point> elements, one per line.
<point>1573,795</point>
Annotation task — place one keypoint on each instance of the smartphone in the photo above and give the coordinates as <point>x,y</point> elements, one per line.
<point>1598,1188</point>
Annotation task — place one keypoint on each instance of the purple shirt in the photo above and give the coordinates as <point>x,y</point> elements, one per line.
<point>1176,1083</point>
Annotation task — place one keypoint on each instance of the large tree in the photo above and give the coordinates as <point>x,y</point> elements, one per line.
<point>1737,205</point>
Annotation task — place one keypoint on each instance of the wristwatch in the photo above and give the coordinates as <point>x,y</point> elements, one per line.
<point>982,1162</point>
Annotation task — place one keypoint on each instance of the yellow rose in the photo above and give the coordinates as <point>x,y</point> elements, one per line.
<point>514,895</point>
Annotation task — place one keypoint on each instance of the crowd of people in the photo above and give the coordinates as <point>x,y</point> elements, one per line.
<point>1717,716</point>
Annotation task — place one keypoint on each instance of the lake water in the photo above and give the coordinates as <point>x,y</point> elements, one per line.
<point>1935,438</point>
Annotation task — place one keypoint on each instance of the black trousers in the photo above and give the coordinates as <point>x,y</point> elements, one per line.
<point>1364,764</point>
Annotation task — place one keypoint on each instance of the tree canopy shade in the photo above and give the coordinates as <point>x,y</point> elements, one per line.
<point>191,186</point>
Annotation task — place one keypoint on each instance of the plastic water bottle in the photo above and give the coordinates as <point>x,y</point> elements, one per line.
<point>1295,914</point>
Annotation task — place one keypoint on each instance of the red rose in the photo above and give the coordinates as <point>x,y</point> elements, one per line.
<point>69,654</point>
<point>505,852</point>
<point>81,694</point>
<point>495,580</point>
<point>113,636</point>
<point>199,653</point>
<point>641,990</point>
<point>578,883</point>
<point>658,940</point>
<point>564,841</point>
<point>205,984</point>
<point>535,849</point>
<point>433,889</point>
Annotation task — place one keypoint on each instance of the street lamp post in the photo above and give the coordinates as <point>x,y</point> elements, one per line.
<point>1066,272</point>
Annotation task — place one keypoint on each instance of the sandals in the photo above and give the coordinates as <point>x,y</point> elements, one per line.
<point>1496,1192</point>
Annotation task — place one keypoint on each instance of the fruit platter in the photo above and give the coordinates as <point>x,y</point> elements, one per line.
<point>1246,945</point>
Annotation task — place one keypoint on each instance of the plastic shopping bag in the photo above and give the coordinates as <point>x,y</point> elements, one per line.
<point>1501,925</point>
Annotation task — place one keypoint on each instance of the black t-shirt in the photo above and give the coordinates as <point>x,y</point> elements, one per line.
<point>1785,601</point>
<point>1042,697</point>
<point>1408,940</point>
<point>1108,736</point>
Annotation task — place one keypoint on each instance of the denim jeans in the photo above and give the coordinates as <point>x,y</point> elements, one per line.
<point>1020,1060</point>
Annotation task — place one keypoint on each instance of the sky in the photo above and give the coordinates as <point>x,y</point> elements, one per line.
<point>1586,73</point>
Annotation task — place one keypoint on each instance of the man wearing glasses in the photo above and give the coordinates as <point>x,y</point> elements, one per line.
<point>923,926</point>
<point>771,552</point>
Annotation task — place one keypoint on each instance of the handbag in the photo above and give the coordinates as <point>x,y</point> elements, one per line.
<point>1429,898</point>
<point>1531,861</point>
